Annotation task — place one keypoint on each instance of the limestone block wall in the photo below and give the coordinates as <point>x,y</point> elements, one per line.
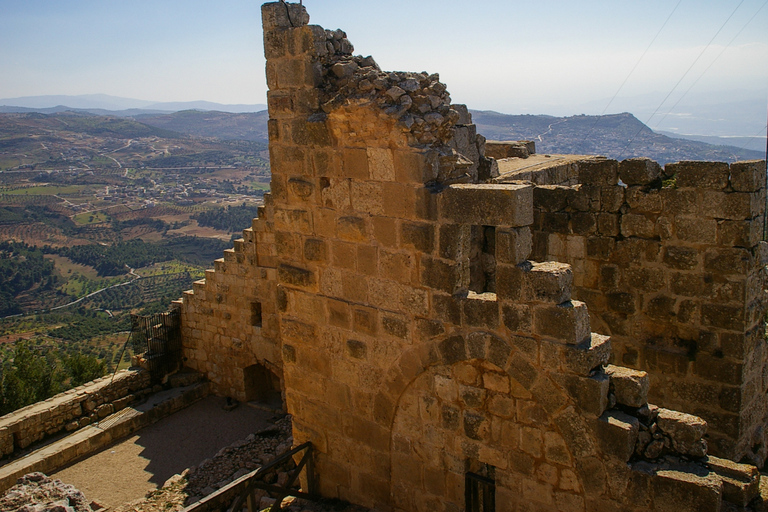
<point>228,320</point>
<point>71,409</point>
<point>419,343</point>
<point>672,267</point>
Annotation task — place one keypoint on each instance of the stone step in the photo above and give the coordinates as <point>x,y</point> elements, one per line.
<point>230,256</point>
<point>741,482</point>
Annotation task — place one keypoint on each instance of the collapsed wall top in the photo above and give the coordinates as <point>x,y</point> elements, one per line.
<point>313,70</point>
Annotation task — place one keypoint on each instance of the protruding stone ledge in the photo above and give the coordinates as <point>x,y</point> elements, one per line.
<point>617,433</point>
<point>629,386</point>
<point>509,205</point>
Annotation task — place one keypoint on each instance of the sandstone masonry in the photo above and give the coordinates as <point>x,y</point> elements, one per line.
<point>671,265</point>
<point>387,285</point>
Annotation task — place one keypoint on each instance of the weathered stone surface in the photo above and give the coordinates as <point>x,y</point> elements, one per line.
<point>741,482</point>
<point>617,433</point>
<point>567,322</point>
<point>581,359</point>
<point>36,492</point>
<point>678,489</point>
<point>393,274</point>
<point>629,386</point>
<point>483,205</point>
<point>639,171</point>
<point>686,431</point>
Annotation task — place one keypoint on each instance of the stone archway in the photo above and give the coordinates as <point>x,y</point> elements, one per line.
<point>464,408</point>
<point>263,385</point>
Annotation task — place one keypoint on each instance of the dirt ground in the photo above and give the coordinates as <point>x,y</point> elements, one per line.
<point>129,469</point>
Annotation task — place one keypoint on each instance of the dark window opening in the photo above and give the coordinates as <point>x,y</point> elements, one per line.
<point>256,314</point>
<point>482,259</point>
<point>480,490</point>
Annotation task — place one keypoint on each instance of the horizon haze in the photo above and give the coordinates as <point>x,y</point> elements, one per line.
<point>708,59</point>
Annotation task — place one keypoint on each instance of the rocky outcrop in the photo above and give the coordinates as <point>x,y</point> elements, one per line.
<point>36,492</point>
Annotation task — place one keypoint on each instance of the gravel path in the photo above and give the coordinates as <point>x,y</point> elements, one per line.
<point>129,469</point>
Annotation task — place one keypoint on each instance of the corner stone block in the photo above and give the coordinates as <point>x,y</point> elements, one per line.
<point>598,171</point>
<point>6,441</point>
<point>550,282</point>
<point>685,430</point>
<point>567,322</point>
<point>488,204</point>
<point>629,386</point>
<point>748,176</point>
<point>581,359</point>
<point>741,482</point>
<point>617,434</point>
<point>283,15</point>
<point>681,490</point>
<point>513,246</point>
<point>710,175</point>
<point>639,171</point>
<point>590,393</point>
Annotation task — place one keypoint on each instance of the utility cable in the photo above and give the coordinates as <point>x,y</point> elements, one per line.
<point>631,72</point>
<point>711,63</point>
<point>680,80</point>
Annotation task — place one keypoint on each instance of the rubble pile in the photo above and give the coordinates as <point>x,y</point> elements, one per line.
<point>238,459</point>
<point>666,431</point>
<point>36,492</point>
<point>419,101</point>
<point>229,464</point>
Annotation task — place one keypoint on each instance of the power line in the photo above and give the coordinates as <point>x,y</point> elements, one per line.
<point>711,63</point>
<point>632,71</point>
<point>681,79</point>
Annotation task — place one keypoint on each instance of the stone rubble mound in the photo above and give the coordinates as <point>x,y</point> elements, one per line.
<point>419,101</point>
<point>36,492</point>
<point>227,465</point>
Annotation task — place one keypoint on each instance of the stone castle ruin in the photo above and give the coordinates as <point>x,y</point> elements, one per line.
<point>453,330</point>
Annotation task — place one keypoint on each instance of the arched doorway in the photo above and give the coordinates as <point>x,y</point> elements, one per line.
<point>263,386</point>
<point>468,419</point>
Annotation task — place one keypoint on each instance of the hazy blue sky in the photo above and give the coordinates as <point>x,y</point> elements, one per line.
<point>547,56</point>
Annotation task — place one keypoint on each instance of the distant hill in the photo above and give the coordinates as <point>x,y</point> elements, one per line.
<point>114,105</point>
<point>601,135</point>
<point>616,136</point>
<point>222,125</point>
<point>26,125</point>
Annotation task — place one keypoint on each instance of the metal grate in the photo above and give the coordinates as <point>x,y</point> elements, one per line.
<point>479,493</point>
<point>157,339</point>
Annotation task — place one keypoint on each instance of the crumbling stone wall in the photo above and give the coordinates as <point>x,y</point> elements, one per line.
<point>671,265</point>
<point>418,342</point>
<point>71,409</point>
<point>229,319</point>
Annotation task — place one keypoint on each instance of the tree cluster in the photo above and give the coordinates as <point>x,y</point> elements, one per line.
<point>230,219</point>
<point>34,375</point>
<point>22,267</point>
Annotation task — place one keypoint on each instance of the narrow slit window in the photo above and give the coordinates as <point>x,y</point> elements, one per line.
<point>482,259</point>
<point>256,314</point>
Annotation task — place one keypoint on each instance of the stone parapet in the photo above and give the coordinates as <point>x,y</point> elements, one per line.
<point>72,409</point>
